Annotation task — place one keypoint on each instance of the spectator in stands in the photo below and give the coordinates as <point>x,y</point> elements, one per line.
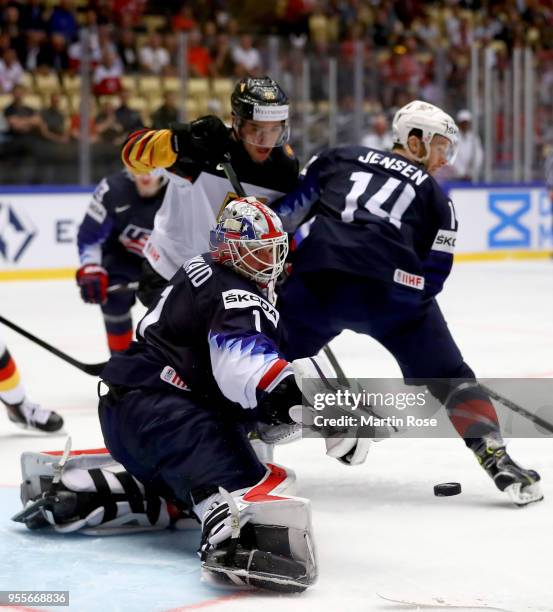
<point>106,78</point>
<point>54,53</point>
<point>184,20</point>
<point>32,16</point>
<point>63,20</point>
<point>128,118</point>
<point>23,121</point>
<point>55,124</point>
<point>9,21</point>
<point>153,57</point>
<point>11,71</point>
<point>75,127</point>
<point>199,60</point>
<point>246,57</point>
<point>167,113</point>
<point>108,129</point>
<point>128,12</point>
<point>380,136</point>
<point>223,65</point>
<point>468,163</point>
<point>28,52</point>
<point>127,51</point>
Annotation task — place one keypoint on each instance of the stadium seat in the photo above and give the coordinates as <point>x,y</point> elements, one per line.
<point>171,84</point>
<point>148,84</point>
<point>46,84</point>
<point>154,23</point>
<point>5,100</point>
<point>71,83</point>
<point>33,100</point>
<point>129,83</point>
<point>28,81</point>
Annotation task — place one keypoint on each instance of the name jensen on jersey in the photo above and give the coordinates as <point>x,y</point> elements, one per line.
<point>238,298</point>
<point>391,163</point>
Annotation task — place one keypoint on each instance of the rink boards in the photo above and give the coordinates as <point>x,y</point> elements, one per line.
<point>38,227</point>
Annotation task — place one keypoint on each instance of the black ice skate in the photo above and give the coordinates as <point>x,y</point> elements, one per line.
<point>32,416</point>
<point>520,484</point>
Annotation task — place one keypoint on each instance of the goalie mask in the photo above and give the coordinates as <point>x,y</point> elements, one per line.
<point>249,237</point>
<point>431,121</point>
<point>260,112</point>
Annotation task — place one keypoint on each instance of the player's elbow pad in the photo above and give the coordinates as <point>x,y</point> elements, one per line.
<point>275,406</point>
<point>146,150</point>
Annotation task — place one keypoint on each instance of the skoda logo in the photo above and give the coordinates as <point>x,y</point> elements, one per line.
<point>16,232</point>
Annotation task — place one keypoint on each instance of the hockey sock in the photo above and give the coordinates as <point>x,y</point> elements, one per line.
<point>11,389</point>
<point>472,414</point>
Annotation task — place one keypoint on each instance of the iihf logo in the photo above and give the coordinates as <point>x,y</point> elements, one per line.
<point>16,232</point>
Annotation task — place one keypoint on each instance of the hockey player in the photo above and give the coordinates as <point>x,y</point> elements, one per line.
<point>175,410</point>
<point>199,189</point>
<point>110,240</point>
<point>21,411</point>
<point>378,252</point>
<point>206,367</point>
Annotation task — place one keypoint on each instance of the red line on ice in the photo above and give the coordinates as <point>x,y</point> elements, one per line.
<point>210,602</point>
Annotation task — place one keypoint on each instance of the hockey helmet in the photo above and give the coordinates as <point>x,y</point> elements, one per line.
<point>249,237</point>
<point>260,100</point>
<point>431,121</point>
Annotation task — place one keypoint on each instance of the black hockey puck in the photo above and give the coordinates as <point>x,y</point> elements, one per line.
<point>447,489</point>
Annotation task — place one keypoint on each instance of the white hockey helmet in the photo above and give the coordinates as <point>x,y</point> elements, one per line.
<point>249,237</point>
<point>431,120</point>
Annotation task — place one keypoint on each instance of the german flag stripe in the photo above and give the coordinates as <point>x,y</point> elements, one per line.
<point>4,359</point>
<point>144,140</point>
<point>7,370</point>
<point>10,383</point>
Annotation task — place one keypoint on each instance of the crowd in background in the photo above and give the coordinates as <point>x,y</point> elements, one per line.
<point>411,49</point>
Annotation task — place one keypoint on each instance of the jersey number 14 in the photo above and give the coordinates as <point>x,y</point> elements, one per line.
<point>361,181</point>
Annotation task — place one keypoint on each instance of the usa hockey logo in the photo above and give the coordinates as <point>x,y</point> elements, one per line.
<point>16,233</point>
<point>134,238</point>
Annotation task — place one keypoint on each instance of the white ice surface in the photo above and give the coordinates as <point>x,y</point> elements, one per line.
<point>378,527</point>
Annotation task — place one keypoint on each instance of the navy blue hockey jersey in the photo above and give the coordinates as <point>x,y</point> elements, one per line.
<point>211,334</point>
<point>118,221</point>
<point>374,214</point>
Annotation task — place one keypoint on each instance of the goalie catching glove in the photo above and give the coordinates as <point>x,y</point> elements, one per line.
<point>285,415</point>
<point>350,450</point>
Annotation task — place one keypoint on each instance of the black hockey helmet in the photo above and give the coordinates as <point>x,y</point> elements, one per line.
<point>260,99</point>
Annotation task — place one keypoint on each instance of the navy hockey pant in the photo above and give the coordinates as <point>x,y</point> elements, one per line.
<point>170,440</point>
<point>316,307</point>
<point>117,309</point>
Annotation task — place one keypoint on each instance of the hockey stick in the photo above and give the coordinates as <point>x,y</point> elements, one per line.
<point>534,418</point>
<point>122,287</point>
<point>231,176</point>
<point>340,374</point>
<point>93,369</point>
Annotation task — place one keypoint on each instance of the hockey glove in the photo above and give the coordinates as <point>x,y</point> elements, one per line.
<point>347,444</point>
<point>206,139</point>
<point>93,281</point>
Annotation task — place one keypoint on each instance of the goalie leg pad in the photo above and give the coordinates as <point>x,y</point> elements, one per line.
<point>94,495</point>
<point>259,538</point>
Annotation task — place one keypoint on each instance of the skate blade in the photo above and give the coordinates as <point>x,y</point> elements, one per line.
<point>522,496</point>
<point>244,579</point>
